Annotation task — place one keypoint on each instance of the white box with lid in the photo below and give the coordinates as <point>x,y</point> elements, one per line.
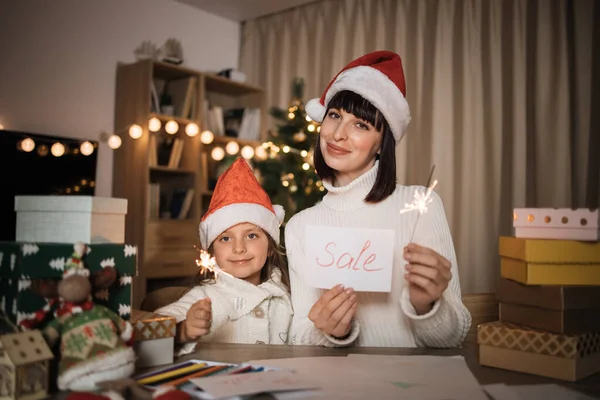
<point>69,219</point>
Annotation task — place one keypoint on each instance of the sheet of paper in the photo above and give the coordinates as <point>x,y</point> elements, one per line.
<point>393,377</point>
<point>549,392</point>
<point>251,383</point>
<point>358,258</point>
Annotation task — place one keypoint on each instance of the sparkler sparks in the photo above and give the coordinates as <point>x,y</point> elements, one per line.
<point>207,263</point>
<point>421,200</point>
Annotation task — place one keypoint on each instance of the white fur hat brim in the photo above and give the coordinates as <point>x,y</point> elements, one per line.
<point>375,87</point>
<point>237,213</point>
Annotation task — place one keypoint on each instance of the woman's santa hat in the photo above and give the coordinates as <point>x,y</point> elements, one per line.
<point>239,198</point>
<point>379,78</point>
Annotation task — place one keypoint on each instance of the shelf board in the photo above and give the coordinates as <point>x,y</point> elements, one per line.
<point>179,120</point>
<point>164,70</point>
<point>163,168</point>
<point>223,140</point>
<point>219,84</point>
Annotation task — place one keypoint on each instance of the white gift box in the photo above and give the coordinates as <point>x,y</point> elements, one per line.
<point>556,223</point>
<point>70,219</point>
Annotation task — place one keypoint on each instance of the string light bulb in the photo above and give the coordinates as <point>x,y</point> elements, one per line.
<point>27,145</point>
<point>207,137</point>
<point>86,148</point>
<point>171,127</point>
<point>114,141</point>
<point>247,152</point>
<point>57,149</point>
<point>1,127</point>
<point>191,129</point>
<point>232,148</point>
<point>260,152</point>
<point>135,131</point>
<point>154,124</point>
<point>217,153</point>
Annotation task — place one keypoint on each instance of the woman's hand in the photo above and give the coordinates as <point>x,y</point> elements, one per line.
<point>428,274</point>
<point>197,321</point>
<point>334,310</point>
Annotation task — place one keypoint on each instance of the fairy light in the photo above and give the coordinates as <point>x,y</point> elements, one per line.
<point>207,137</point>
<point>154,124</point>
<point>86,148</point>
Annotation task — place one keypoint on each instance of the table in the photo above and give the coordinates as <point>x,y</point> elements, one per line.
<point>238,353</point>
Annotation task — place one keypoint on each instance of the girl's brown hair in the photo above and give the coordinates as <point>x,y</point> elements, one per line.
<point>275,260</point>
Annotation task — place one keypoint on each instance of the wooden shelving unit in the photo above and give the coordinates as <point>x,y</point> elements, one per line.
<point>168,247</point>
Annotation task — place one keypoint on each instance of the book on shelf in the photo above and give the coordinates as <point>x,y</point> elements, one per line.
<point>181,202</point>
<point>183,93</point>
<point>241,123</point>
<point>165,151</point>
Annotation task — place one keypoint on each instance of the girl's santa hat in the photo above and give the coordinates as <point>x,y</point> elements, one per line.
<point>239,198</point>
<point>379,78</point>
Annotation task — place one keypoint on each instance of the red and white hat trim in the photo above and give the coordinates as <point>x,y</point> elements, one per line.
<point>376,87</point>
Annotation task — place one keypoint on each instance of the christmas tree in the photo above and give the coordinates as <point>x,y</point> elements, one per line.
<point>286,170</point>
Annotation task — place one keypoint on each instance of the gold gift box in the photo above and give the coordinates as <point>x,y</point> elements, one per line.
<point>548,251</point>
<point>151,326</point>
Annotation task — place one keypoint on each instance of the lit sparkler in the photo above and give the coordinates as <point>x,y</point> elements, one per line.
<point>421,200</point>
<point>206,262</point>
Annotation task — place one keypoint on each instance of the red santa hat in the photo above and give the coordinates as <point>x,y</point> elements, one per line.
<point>238,198</point>
<point>379,78</point>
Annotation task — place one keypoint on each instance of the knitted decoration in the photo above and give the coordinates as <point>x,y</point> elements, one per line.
<point>95,342</point>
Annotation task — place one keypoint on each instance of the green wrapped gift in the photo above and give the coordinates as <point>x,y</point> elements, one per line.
<point>21,262</point>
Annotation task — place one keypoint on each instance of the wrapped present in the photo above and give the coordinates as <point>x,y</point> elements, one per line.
<point>549,251</point>
<point>70,219</point>
<point>21,262</point>
<point>154,338</point>
<point>549,262</point>
<point>552,297</point>
<point>516,348</point>
<point>557,321</point>
<point>557,223</point>
<point>549,274</point>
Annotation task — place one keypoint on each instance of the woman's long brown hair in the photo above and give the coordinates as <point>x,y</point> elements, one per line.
<point>275,260</point>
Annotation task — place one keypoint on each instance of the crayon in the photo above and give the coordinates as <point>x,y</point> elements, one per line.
<point>162,370</point>
<point>175,373</point>
<point>198,374</point>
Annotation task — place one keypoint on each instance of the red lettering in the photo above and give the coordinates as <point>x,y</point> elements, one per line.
<point>347,261</point>
<point>332,256</point>
<point>345,265</point>
<point>369,260</point>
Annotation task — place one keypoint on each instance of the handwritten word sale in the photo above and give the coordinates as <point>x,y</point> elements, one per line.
<point>346,260</point>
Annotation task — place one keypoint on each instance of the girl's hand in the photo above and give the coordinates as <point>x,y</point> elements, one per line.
<point>334,310</point>
<point>197,321</point>
<point>428,274</point>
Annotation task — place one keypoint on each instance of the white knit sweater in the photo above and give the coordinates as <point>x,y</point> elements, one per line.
<point>382,319</point>
<point>241,312</point>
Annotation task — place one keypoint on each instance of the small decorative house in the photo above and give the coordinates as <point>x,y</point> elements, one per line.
<point>24,366</point>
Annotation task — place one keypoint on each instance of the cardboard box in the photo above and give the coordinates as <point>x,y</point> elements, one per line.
<point>549,251</point>
<point>549,274</point>
<point>22,262</point>
<point>557,223</point>
<point>517,348</point>
<point>154,338</point>
<point>548,296</point>
<point>70,219</point>
<point>557,321</point>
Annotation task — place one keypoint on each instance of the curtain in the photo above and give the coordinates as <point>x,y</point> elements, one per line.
<point>502,94</point>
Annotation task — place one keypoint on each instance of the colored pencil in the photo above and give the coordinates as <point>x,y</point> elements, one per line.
<point>204,372</point>
<point>171,374</point>
<point>163,370</point>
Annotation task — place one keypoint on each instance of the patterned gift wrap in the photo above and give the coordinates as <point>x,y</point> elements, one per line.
<point>21,262</point>
<point>521,349</point>
<point>150,326</point>
<point>515,337</point>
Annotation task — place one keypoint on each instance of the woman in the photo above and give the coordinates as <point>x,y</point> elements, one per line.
<point>364,115</point>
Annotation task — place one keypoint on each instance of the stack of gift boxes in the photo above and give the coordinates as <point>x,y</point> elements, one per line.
<point>549,296</point>
<point>47,228</point>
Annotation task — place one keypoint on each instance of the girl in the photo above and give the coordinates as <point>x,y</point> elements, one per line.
<point>364,114</point>
<point>248,300</point>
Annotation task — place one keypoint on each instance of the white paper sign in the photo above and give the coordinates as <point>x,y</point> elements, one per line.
<point>358,258</point>
<point>251,383</point>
